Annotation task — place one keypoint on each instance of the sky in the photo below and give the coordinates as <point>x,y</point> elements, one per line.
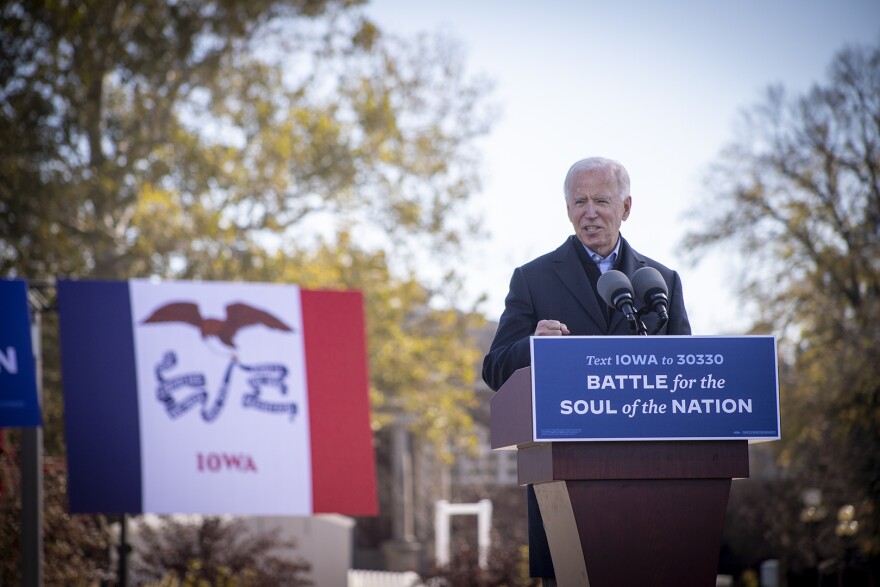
<point>656,85</point>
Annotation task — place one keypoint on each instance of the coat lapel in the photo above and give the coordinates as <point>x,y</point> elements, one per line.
<point>570,271</point>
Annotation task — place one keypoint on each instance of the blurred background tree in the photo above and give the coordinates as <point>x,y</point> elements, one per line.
<point>214,551</point>
<point>77,548</point>
<point>798,192</point>
<point>185,139</point>
<point>508,567</point>
<point>267,140</point>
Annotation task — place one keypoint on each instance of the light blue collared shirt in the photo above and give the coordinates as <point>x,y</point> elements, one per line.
<point>604,263</point>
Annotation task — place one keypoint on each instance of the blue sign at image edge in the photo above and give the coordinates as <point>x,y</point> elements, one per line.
<point>19,399</point>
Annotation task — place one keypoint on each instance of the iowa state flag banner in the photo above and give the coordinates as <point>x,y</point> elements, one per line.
<point>209,398</point>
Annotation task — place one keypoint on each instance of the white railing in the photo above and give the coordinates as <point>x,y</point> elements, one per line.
<point>360,578</point>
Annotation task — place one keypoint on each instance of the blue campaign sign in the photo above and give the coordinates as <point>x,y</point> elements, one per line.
<point>655,388</point>
<point>19,405</point>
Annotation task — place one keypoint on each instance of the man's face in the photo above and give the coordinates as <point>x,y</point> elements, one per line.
<point>596,209</point>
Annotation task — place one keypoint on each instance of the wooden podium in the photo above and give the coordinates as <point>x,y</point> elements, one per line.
<point>622,513</point>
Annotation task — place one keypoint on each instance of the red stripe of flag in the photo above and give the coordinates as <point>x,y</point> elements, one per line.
<point>343,467</point>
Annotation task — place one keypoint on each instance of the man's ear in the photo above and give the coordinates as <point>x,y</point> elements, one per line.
<point>627,206</point>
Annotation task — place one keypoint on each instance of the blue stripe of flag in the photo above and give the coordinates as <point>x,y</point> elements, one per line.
<point>100,397</point>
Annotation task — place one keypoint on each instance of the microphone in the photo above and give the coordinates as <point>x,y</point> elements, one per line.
<point>617,291</point>
<point>651,289</point>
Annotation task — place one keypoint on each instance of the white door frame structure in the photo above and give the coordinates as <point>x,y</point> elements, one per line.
<point>443,511</point>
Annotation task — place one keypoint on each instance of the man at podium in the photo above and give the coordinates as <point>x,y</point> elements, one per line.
<point>556,294</point>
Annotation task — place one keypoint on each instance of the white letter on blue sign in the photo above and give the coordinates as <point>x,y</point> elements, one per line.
<point>8,361</point>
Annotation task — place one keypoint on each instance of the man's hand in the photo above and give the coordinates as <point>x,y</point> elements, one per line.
<point>551,328</point>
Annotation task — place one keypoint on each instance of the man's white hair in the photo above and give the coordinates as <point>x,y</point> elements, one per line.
<point>617,171</point>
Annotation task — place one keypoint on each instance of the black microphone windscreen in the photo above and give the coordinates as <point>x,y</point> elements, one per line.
<point>645,280</point>
<point>612,282</point>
